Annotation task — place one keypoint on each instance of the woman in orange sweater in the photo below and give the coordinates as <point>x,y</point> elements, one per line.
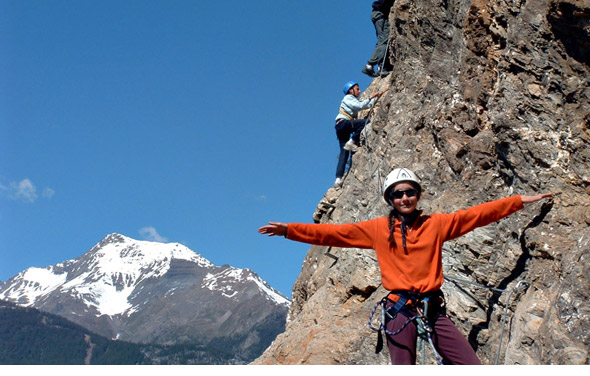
<point>408,245</point>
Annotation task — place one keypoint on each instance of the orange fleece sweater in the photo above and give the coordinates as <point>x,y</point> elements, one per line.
<point>419,269</point>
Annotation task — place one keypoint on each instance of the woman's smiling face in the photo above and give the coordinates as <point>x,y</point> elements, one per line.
<point>406,204</point>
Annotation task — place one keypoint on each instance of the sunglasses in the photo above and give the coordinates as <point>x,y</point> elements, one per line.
<point>408,192</point>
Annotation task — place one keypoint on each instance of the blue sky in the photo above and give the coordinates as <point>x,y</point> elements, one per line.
<point>181,121</point>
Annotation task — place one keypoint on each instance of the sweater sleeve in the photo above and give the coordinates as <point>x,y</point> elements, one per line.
<point>459,223</point>
<point>353,104</point>
<point>350,235</point>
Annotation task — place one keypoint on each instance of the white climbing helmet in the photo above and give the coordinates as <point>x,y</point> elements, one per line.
<point>398,175</point>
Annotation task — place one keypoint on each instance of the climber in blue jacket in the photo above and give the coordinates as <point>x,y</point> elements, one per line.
<point>348,127</point>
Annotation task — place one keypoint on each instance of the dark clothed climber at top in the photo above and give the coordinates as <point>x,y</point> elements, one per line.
<point>380,19</point>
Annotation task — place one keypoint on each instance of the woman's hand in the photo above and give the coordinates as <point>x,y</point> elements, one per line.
<point>274,228</point>
<point>530,199</point>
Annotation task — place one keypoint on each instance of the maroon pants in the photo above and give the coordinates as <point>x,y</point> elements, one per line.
<point>448,341</point>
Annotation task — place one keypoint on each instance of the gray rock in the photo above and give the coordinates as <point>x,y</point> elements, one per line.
<point>486,100</point>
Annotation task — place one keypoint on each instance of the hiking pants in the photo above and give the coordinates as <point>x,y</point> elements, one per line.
<point>345,130</point>
<point>448,341</point>
<point>381,23</point>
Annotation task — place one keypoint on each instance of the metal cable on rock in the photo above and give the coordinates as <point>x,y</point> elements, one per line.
<point>519,285</point>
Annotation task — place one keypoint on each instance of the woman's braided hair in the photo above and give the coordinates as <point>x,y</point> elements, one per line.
<point>391,224</point>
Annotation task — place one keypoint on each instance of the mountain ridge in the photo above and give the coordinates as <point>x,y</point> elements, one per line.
<point>151,292</point>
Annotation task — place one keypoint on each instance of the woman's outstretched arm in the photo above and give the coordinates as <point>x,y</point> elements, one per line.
<point>347,235</point>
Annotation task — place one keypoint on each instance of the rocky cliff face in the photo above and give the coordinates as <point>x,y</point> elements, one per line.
<point>487,99</point>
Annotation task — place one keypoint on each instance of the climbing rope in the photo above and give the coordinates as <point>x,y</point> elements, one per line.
<point>453,279</point>
<point>385,54</point>
<point>365,139</point>
<point>424,334</point>
<point>518,286</point>
<point>363,133</point>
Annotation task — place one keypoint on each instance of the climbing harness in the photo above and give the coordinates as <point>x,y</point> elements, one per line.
<point>424,330</point>
<point>423,327</point>
<point>345,114</point>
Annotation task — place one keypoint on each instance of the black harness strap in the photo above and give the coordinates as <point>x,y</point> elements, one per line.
<point>392,312</point>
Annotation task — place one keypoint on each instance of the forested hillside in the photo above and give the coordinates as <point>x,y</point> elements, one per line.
<point>29,336</point>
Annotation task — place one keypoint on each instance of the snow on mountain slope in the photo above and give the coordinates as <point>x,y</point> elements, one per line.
<point>33,283</point>
<point>106,276</point>
<point>226,281</point>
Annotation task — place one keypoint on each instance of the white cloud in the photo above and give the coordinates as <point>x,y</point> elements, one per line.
<point>150,233</point>
<point>24,191</point>
<point>48,192</point>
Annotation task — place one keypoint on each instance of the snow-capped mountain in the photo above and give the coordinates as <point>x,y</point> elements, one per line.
<point>152,292</point>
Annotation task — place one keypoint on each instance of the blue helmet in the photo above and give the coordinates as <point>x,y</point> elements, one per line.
<point>348,85</point>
